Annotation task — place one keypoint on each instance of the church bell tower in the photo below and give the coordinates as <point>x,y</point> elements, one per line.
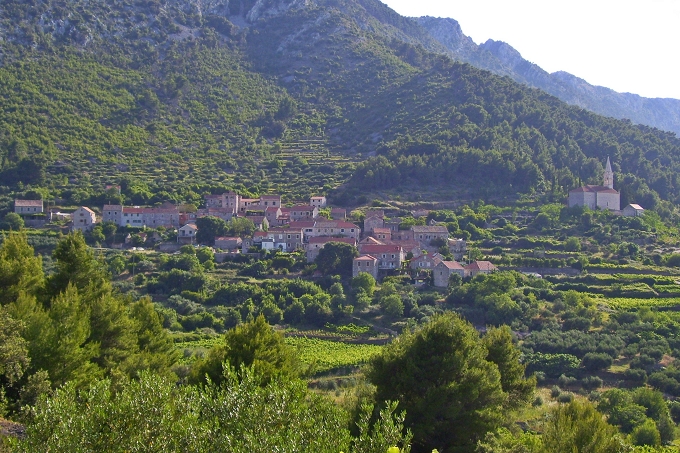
<point>608,175</point>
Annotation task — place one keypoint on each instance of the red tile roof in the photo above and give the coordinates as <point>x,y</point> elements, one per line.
<point>452,265</point>
<point>590,188</point>
<point>481,266</point>
<point>380,248</point>
<point>326,239</point>
<point>366,258</point>
<point>28,202</point>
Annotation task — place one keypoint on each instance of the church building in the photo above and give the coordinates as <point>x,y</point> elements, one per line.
<point>594,197</point>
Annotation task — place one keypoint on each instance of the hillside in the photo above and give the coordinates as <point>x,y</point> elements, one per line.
<point>175,99</point>
<point>501,58</point>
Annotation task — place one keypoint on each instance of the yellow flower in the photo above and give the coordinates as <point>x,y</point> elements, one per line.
<point>393,450</point>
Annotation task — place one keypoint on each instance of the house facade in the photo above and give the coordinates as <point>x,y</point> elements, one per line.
<point>83,218</point>
<point>443,271</point>
<point>141,217</point>
<point>286,239</point>
<point>28,207</point>
<point>389,256</point>
<point>633,210</point>
<point>479,267</point>
<point>365,263</point>
<point>426,234</point>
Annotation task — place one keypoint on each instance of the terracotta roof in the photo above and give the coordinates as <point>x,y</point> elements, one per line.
<point>28,203</point>
<point>87,209</point>
<point>284,230</point>
<point>258,234</point>
<point>371,240</point>
<point>380,248</point>
<point>429,229</point>
<point>366,258</point>
<point>333,224</point>
<point>190,225</point>
<point>452,265</point>
<point>272,209</point>
<point>326,239</point>
<point>636,207</point>
<point>481,266</point>
<point>112,207</point>
<point>590,188</point>
<point>382,231</point>
<point>302,224</point>
<point>317,198</point>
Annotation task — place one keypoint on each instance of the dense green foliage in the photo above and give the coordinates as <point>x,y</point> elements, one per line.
<point>156,415</point>
<point>180,101</point>
<point>446,380</point>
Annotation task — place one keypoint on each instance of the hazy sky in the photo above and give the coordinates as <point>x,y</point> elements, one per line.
<point>627,45</point>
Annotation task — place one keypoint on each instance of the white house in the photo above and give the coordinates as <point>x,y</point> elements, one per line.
<point>83,219</point>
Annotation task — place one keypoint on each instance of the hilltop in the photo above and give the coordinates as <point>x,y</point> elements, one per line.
<point>171,100</point>
<point>502,59</point>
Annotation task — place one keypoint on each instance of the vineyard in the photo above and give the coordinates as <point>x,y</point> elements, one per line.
<point>326,355</point>
<point>628,303</point>
<point>321,355</point>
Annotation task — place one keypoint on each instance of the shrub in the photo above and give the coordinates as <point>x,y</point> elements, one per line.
<point>596,361</point>
<point>591,382</point>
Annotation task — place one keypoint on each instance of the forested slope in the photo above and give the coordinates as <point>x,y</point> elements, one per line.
<point>257,96</point>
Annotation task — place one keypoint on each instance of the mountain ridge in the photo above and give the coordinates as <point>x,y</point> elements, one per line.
<point>234,95</point>
<point>501,58</point>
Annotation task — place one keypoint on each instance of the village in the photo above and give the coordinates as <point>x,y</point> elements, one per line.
<point>384,248</point>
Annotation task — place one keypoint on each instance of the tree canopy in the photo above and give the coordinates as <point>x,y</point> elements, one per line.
<point>442,377</point>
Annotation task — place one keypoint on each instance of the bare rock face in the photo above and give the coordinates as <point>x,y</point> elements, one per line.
<point>502,59</point>
<point>11,429</point>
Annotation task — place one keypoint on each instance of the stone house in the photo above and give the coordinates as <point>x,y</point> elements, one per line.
<point>270,200</point>
<point>286,239</point>
<point>336,228</point>
<point>28,207</point>
<point>393,224</point>
<point>479,267</point>
<point>443,271</point>
<point>401,235</point>
<point>83,218</point>
<point>389,256</point>
<point>338,213</point>
<point>426,234</point>
<point>167,217</point>
<point>301,212</point>
<point>315,245</point>
<point>365,263</point>
<point>633,210</point>
<point>319,202</point>
<point>228,243</point>
<point>382,234</point>
<point>373,220</point>
<point>246,204</point>
<point>272,213</point>
<point>426,261</point>
<point>187,233</point>
<point>458,248</point>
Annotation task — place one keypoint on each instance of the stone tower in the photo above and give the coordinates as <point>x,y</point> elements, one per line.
<point>608,175</point>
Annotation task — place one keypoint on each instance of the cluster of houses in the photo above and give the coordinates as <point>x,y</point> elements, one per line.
<point>383,247</point>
